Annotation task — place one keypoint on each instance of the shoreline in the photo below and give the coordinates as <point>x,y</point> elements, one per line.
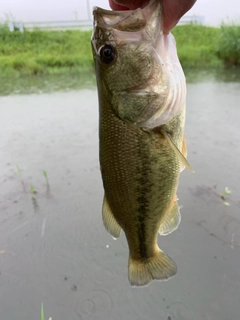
<point>58,52</point>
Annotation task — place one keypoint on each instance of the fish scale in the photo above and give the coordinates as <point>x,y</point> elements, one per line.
<point>133,177</point>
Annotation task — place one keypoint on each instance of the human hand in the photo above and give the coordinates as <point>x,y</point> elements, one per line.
<point>173,10</point>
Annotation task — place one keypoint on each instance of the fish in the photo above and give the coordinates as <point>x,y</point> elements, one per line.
<point>142,146</point>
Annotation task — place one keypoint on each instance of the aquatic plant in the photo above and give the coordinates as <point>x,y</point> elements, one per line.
<point>19,171</point>
<point>42,313</point>
<point>223,195</point>
<point>32,190</point>
<point>45,174</point>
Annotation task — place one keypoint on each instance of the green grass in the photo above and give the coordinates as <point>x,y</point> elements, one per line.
<point>54,52</point>
<point>44,52</point>
<point>42,313</point>
<point>45,174</point>
<point>32,190</point>
<point>197,45</point>
<point>19,171</point>
<point>228,48</point>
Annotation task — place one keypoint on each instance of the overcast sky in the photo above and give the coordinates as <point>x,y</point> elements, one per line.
<point>214,11</point>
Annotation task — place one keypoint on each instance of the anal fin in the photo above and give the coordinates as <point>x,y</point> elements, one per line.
<point>171,221</point>
<point>109,221</point>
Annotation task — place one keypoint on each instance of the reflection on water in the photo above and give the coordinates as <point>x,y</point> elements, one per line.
<point>53,246</point>
<point>66,82</point>
<point>46,83</point>
<point>213,75</point>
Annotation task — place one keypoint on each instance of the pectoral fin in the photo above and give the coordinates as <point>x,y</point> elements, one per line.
<point>109,221</point>
<point>184,147</point>
<point>176,150</point>
<point>171,221</point>
<point>184,152</point>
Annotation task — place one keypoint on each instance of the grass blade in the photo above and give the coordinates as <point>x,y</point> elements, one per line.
<point>42,312</point>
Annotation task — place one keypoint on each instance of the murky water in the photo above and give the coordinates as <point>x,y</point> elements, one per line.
<point>53,246</point>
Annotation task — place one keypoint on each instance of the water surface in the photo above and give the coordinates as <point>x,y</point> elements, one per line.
<point>75,81</point>
<point>53,246</point>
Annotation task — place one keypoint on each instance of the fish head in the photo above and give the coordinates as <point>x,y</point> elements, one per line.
<point>137,68</point>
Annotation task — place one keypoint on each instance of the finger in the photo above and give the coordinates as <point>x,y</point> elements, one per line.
<point>173,10</point>
<point>116,7</point>
<point>127,4</point>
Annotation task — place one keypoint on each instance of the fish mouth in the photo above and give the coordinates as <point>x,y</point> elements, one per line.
<point>126,20</point>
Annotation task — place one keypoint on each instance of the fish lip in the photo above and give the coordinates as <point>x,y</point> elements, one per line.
<point>105,18</point>
<point>118,13</point>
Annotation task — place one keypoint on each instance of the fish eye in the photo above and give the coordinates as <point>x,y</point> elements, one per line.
<point>107,53</point>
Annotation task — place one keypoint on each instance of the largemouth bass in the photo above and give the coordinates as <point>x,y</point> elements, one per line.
<point>142,94</point>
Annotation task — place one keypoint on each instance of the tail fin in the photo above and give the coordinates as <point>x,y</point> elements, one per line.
<point>159,267</point>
